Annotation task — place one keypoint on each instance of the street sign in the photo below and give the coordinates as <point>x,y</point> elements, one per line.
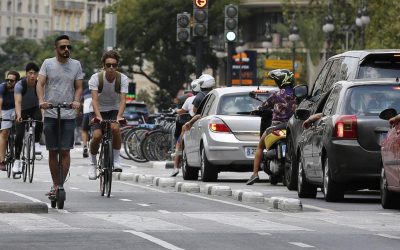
<point>200,3</point>
<point>244,68</point>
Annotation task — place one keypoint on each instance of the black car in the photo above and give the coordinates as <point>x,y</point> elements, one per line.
<point>341,151</point>
<point>350,65</point>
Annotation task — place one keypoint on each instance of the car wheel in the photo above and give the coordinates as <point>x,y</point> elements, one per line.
<point>273,179</point>
<point>332,190</point>
<point>388,199</point>
<point>188,172</point>
<point>291,167</point>
<point>304,189</point>
<point>208,171</point>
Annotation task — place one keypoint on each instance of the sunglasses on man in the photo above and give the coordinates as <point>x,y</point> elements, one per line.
<point>10,80</point>
<point>114,65</point>
<point>63,47</point>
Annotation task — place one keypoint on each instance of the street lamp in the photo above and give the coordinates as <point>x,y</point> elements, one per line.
<point>328,28</point>
<point>267,43</point>
<point>294,37</point>
<point>361,21</point>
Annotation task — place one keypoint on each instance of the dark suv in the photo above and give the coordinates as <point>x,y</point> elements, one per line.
<point>350,65</point>
<point>136,112</point>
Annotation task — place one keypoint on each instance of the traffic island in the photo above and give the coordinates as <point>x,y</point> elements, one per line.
<point>24,207</point>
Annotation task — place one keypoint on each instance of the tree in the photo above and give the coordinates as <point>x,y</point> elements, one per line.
<point>146,33</point>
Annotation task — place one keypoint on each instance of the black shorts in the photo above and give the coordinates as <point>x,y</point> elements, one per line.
<point>85,122</point>
<point>109,115</point>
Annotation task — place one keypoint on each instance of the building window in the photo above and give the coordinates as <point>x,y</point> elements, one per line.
<point>19,22</point>
<point>57,22</point>
<point>36,6</point>
<point>19,32</point>
<point>77,23</point>
<point>9,5</point>
<point>67,23</point>
<point>8,31</point>
<point>19,6</point>
<point>30,6</point>
<point>35,33</point>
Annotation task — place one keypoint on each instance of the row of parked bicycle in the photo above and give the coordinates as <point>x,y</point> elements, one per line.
<point>149,142</point>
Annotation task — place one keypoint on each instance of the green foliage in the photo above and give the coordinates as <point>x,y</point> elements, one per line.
<point>144,96</point>
<point>384,29</point>
<point>162,99</point>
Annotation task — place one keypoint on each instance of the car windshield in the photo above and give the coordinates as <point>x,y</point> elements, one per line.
<point>236,104</point>
<point>136,108</point>
<point>380,66</point>
<point>371,100</point>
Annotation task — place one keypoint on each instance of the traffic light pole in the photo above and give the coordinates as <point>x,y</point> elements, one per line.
<point>199,56</point>
<point>231,47</point>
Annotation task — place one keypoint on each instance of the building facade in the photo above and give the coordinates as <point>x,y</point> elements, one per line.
<point>36,19</point>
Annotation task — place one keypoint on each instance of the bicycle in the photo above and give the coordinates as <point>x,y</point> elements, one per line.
<point>59,198</point>
<point>28,149</point>
<point>105,163</point>
<point>9,157</point>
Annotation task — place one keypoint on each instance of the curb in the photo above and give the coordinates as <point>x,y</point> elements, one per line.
<point>24,207</point>
<point>163,164</point>
<point>242,195</point>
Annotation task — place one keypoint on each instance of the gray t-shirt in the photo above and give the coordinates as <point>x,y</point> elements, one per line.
<point>108,98</point>
<point>60,84</point>
<point>29,100</point>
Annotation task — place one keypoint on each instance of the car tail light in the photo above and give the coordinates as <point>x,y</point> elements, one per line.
<point>346,127</point>
<point>216,125</point>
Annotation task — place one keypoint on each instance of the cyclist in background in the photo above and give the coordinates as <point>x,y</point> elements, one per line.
<point>108,88</point>
<point>87,109</point>
<point>7,107</point>
<point>26,105</point>
<point>60,80</point>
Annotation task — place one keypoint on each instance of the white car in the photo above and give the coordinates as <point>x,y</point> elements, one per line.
<point>226,137</point>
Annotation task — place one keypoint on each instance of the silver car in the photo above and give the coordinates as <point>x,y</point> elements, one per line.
<point>226,137</point>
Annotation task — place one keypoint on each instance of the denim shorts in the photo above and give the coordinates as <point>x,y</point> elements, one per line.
<point>67,133</point>
<point>9,115</point>
<point>85,122</point>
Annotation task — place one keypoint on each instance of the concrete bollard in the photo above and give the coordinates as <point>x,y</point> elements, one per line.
<point>146,179</point>
<point>206,189</point>
<point>253,197</point>
<point>190,187</point>
<point>221,190</point>
<point>126,176</point>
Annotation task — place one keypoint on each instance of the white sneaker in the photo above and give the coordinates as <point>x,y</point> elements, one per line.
<point>17,168</point>
<point>117,167</point>
<point>38,148</point>
<point>92,173</point>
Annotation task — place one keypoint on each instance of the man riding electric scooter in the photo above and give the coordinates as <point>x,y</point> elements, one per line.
<point>283,105</point>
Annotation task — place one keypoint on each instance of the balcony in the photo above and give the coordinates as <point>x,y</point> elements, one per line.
<point>69,6</point>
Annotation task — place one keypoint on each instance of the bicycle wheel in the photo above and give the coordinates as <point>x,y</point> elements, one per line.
<point>132,144</point>
<point>101,169</point>
<point>109,168</point>
<point>124,133</point>
<point>24,162</point>
<point>31,158</point>
<point>8,161</point>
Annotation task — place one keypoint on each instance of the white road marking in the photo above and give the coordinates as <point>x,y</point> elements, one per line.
<point>125,200</point>
<point>155,240</point>
<point>164,211</point>
<point>299,244</point>
<point>31,199</point>
<point>253,223</point>
<point>318,208</point>
<point>139,223</point>
<point>140,186</point>
<point>230,203</point>
<point>21,195</point>
<point>143,205</point>
<point>33,222</point>
<point>389,236</point>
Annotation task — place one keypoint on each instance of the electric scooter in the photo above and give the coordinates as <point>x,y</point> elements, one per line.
<point>60,195</point>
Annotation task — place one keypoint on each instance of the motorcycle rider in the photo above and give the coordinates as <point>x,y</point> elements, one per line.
<point>283,104</point>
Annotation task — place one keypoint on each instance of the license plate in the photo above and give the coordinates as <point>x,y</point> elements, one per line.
<point>382,137</point>
<point>250,151</point>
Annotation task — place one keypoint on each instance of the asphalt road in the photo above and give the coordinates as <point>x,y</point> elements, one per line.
<point>143,216</point>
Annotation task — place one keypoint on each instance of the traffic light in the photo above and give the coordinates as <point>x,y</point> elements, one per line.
<point>200,18</point>
<point>231,23</point>
<point>131,95</point>
<point>183,27</point>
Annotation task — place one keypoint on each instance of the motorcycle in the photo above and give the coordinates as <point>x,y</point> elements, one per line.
<point>273,162</point>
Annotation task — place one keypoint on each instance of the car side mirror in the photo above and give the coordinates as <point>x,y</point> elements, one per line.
<point>301,91</point>
<point>302,114</point>
<point>387,114</point>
